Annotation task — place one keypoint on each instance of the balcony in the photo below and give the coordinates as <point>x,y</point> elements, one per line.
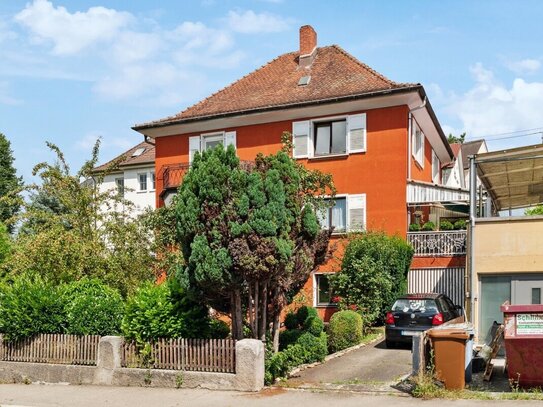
<point>438,244</point>
<point>419,192</point>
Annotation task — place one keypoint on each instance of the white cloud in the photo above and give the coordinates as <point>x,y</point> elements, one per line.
<point>525,66</point>
<point>251,23</point>
<point>108,144</point>
<point>491,107</point>
<point>71,32</point>
<point>6,98</point>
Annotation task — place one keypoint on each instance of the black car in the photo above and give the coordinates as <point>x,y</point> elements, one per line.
<point>413,313</point>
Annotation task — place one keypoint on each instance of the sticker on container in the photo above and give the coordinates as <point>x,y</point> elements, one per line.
<point>529,324</point>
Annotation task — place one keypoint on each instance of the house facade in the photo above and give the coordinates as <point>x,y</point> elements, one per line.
<point>133,176</point>
<point>380,139</point>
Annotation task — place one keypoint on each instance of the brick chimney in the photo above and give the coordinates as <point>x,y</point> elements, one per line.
<point>308,45</point>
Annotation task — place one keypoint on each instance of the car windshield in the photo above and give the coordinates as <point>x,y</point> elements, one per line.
<point>412,305</point>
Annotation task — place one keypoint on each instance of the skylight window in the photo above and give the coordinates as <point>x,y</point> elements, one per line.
<point>138,152</point>
<point>304,80</point>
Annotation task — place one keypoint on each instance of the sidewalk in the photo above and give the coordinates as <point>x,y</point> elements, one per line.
<point>21,395</point>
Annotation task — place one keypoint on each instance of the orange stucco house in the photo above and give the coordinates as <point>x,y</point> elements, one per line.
<point>379,139</point>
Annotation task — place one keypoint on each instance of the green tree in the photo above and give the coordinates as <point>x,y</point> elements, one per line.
<point>5,243</point>
<point>81,231</point>
<point>10,184</point>
<point>456,139</point>
<point>536,210</point>
<point>249,234</point>
<point>373,272</point>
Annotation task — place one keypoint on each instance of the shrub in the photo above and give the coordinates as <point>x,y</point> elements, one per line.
<point>316,347</point>
<point>92,308</point>
<point>446,225</point>
<point>314,325</point>
<point>429,226</point>
<point>344,330</point>
<point>304,312</point>
<point>373,273</point>
<point>218,329</point>
<point>5,243</point>
<point>289,337</point>
<point>291,321</point>
<point>30,305</point>
<point>414,227</point>
<point>460,224</point>
<point>149,314</point>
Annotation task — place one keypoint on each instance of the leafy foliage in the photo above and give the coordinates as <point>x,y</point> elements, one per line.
<point>30,305</point>
<point>536,210</point>
<point>163,311</point>
<point>456,139</point>
<point>249,234</point>
<point>10,184</point>
<point>72,229</point>
<point>429,226</point>
<point>373,272</point>
<point>414,227</point>
<point>92,308</point>
<point>5,243</point>
<point>445,225</point>
<point>460,224</point>
<point>344,330</point>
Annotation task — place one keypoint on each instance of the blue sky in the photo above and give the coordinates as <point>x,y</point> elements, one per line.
<point>72,71</point>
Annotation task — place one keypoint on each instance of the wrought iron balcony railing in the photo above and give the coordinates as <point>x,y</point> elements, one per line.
<point>438,244</point>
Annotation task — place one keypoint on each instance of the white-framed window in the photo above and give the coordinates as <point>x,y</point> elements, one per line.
<point>417,142</point>
<point>328,137</point>
<point>142,181</point>
<point>322,296</point>
<point>435,168</point>
<point>348,214</point>
<point>119,183</point>
<point>153,181</point>
<point>207,141</point>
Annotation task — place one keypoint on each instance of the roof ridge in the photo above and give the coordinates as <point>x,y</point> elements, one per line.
<point>124,155</point>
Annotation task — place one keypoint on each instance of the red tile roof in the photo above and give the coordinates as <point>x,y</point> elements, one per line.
<point>334,74</point>
<point>127,159</point>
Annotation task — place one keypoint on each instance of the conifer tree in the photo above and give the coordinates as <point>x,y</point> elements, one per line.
<point>9,183</point>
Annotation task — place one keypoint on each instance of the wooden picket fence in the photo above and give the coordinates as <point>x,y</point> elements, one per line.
<point>52,348</point>
<point>203,355</point>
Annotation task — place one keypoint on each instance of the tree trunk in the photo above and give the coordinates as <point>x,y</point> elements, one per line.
<point>275,330</point>
<point>237,319</point>
<point>264,311</point>
<point>257,305</point>
<point>251,309</point>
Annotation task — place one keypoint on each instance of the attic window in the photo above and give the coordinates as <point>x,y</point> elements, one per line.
<point>304,80</point>
<point>138,152</point>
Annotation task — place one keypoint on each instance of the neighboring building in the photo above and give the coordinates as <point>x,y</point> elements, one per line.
<point>471,148</point>
<point>452,173</point>
<point>379,139</point>
<point>507,255</point>
<point>134,177</point>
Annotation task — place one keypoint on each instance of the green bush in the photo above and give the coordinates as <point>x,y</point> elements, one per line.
<point>5,243</point>
<point>344,330</point>
<point>304,312</point>
<point>429,226</point>
<point>314,325</point>
<point>460,224</point>
<point>315,347</point>
<point>414,227</point>
<point>291,321</point>
<point>30,305</point>
<point>289,337</point>
<point>446,225</point>
<point>149,314</point>
<point>218,329</point>
<point>92,308</point>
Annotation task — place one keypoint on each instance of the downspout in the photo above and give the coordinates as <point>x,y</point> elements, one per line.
<point>471,230</point>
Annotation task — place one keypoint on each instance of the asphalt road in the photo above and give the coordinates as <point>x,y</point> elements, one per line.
<point>370,368</point>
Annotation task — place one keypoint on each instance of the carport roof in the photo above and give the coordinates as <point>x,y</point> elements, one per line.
<point>513,178</point>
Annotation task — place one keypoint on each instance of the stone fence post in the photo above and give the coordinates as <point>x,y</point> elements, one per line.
<point>249,365</point>
<point>108,358</point>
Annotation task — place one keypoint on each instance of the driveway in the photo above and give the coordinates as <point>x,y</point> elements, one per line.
<point>370,368</point>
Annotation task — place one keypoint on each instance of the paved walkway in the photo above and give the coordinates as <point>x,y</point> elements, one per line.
<point>370,368</point>
<point>21,395</point>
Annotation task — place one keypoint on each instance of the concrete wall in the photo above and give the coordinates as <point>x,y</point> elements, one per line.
<point>249,374</point>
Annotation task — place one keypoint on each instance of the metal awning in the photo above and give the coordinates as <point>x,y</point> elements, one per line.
<point>513,178</point>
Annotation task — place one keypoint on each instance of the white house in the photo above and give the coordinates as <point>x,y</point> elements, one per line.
<point>134,177</point>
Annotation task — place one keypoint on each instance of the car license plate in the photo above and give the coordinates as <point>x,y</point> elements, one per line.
<point>410,333</point>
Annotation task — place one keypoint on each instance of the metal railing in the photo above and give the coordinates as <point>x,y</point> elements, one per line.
<point>438,244</point>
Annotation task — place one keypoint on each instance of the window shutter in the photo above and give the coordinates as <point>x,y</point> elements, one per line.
<point>356,133</point>
<point>194,146</point>
<point>356,212</point>
<point>230,138</point>
<point>300,139</point>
